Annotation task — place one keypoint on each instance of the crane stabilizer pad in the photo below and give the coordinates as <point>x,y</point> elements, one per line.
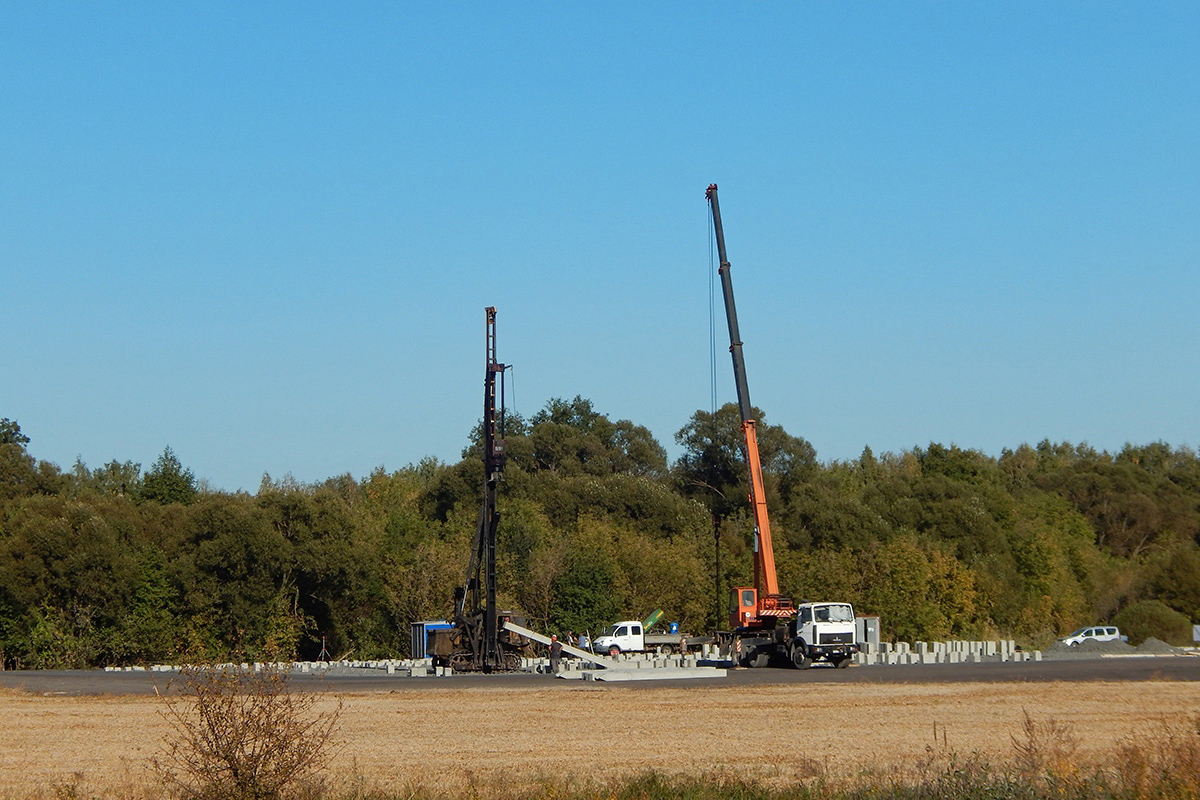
<point>658,674</point>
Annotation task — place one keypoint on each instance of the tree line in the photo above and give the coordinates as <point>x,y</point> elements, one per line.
<point>120,565</point>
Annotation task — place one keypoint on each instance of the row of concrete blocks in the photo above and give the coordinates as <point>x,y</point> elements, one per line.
<point>391,665</point>
<point>1003,647</point>
<point>623,661</point>
<point>947,657</point>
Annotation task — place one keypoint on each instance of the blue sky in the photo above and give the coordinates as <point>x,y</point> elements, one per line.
<point>264,234</point>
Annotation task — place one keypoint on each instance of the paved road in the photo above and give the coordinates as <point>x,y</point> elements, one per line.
<point>1172,668</point>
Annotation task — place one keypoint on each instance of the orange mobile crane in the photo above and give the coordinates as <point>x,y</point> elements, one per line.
<point>760,606</point>
<point>765,623</point>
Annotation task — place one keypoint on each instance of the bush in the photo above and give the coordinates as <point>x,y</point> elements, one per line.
<point>1149,618</point>
<point>241,734</point>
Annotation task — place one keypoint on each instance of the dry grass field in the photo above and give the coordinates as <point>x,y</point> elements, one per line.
<point>570,731</point>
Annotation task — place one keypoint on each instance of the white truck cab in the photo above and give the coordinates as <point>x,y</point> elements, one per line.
<point>621,637</point>
<point>632,636</point>
<point>823,632</point>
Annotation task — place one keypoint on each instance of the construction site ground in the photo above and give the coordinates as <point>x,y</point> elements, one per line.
<point>447,732</point>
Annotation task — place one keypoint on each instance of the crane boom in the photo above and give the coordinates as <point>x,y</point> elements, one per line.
<point>769,605</point>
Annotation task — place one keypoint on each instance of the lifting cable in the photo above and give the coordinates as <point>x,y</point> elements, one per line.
<point>712,314</point>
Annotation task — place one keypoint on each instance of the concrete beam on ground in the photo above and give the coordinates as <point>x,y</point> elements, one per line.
<point>601,661</point>
<point>658,674</point>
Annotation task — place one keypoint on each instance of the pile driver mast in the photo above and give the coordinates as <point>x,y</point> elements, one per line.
<point>760,606</point>
<point>479,644</point>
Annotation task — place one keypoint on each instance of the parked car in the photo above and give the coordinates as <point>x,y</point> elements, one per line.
<point>1098,633</point>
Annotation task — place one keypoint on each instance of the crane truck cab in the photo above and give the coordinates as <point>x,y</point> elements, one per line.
<point>810,633</point>
<point>822,632</point>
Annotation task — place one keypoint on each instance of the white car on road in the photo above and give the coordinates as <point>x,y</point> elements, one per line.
<point>1098,633</point>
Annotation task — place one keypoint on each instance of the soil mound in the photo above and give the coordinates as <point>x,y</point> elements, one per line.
<point>1115,646</point>
<point>1153,645</point>
<point>1088,648</point>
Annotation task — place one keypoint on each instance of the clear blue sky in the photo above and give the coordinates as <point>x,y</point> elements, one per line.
<point>264,233</point>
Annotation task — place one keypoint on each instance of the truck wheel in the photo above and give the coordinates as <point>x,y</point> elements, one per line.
<point>666,649</point>
<point>800,660</point>
<point>614,651</point>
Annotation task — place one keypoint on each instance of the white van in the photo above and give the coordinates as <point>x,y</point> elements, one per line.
<point>1099,633</point>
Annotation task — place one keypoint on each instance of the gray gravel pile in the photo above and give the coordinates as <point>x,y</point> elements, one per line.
<point>1153,645</point>
<point>1089,648</point>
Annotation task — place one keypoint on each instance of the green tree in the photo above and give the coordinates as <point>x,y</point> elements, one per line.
<point>585,593</point>
<point>21,475</point>
<point>1148,618</point>
<point>572,438</point>
<point>115,477</point>
<point>920,591</point>
<point>68,571</point>
<point>10,433</point>
<point>713,464</point>
<point>1175,579</point>
<point>167,481</point>
<point>236,574</point>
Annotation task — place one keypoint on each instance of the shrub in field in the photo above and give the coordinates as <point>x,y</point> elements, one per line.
<point>1045,748</point>
<point>1149,618</point>
<point>1163,762</point>
<point>240,734</point>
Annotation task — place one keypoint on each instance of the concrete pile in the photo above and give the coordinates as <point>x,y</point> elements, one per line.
<point>629,666</point>
<point>634,667</point>
<point>407,667</point>
<point>950,652</point>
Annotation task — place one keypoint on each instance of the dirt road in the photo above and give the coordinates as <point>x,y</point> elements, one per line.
<point>447,736</point>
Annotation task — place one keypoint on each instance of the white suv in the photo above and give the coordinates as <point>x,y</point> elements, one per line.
<point>1102,633</point>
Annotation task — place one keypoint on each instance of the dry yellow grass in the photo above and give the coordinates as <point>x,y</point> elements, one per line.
<point>443,737</point>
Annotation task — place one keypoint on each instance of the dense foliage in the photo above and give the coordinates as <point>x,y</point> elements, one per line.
<point>116,565</point>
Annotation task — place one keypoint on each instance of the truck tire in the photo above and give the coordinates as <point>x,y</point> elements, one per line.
<point>614,651</point>
<point>666,649</point>
<point>799,659</point>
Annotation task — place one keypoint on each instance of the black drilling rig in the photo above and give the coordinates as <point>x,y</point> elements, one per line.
<point>479,642</point>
